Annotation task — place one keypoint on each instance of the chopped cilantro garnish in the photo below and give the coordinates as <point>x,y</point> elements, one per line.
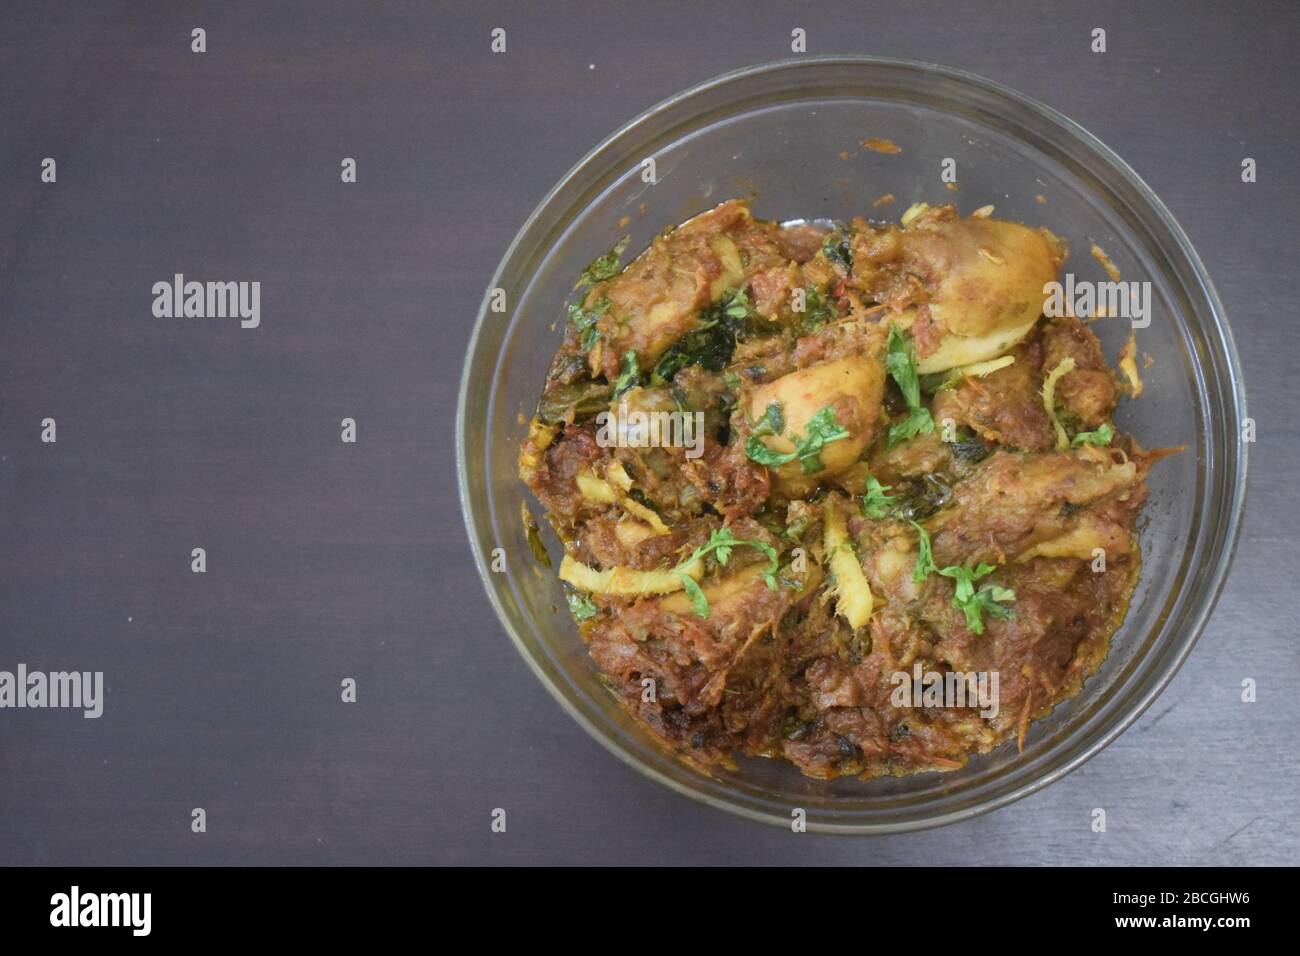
<point>711,343</point>
<point>736,305</point>
<point>917,422</point>
<point>817,310</point>
<point>604,267</point>
<point>772,422</point>
<point>584,321</point>
<point>836,248</point>
<point>629,375</point>
<point>877,503</point>
<point>924,556</point>
<point>974,604</point>
<point>822,430</point>
<point>900,362</point>
<point>581,607</point>
<point>699,603</point>
<point>720,544</point>
<point>1102,436</point>
<point>755,450</point>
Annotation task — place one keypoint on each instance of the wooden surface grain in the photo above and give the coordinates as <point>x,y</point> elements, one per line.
<point>328,560</point>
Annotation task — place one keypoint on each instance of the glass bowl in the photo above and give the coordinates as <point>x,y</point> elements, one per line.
<point>788,135</point>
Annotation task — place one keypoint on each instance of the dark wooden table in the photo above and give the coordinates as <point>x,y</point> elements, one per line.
<point>328,560</point>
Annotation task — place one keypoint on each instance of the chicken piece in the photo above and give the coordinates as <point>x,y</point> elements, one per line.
<point>1088,393</point>
<point>657,298</point>
<point>851,387</point>
<point>654,300</point>
<point>1060,504</point>
<point>771,291</point>
<point>709,674</point>
<point>1005,406</point>
<point>800,243</point>
<point>981,283</point>
<point>1063,613</point>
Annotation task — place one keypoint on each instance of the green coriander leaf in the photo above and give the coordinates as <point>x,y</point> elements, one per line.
<point>990,594</point>
<point>584,321</point>
<point>581,607</point>
<point>768,551</point>
<point>822,430</point>
<point>629,375</point>
<point>974,604</point>
<point>965,578</point>
<point>604,267</point>
<point>1102,436</point>
<point>971,609</point>
<point>924,555</point>
<point>876,503</point>
<point>736,305</point>
<point>811,463</point>
<point>772,422</point>
<point>721,542</point>
<point>699,603</point>
<point>985,601</point>
<point>900,362</point>
<point>817,310</point>
<point>755,450</point>
<point>918,422</point>
<point>711,343</point>
<point>836,248</point>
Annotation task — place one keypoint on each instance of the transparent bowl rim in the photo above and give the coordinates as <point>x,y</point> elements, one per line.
<point>1234,507</point>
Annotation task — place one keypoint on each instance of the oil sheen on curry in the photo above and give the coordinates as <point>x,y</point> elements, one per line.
<point>790,464</point>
